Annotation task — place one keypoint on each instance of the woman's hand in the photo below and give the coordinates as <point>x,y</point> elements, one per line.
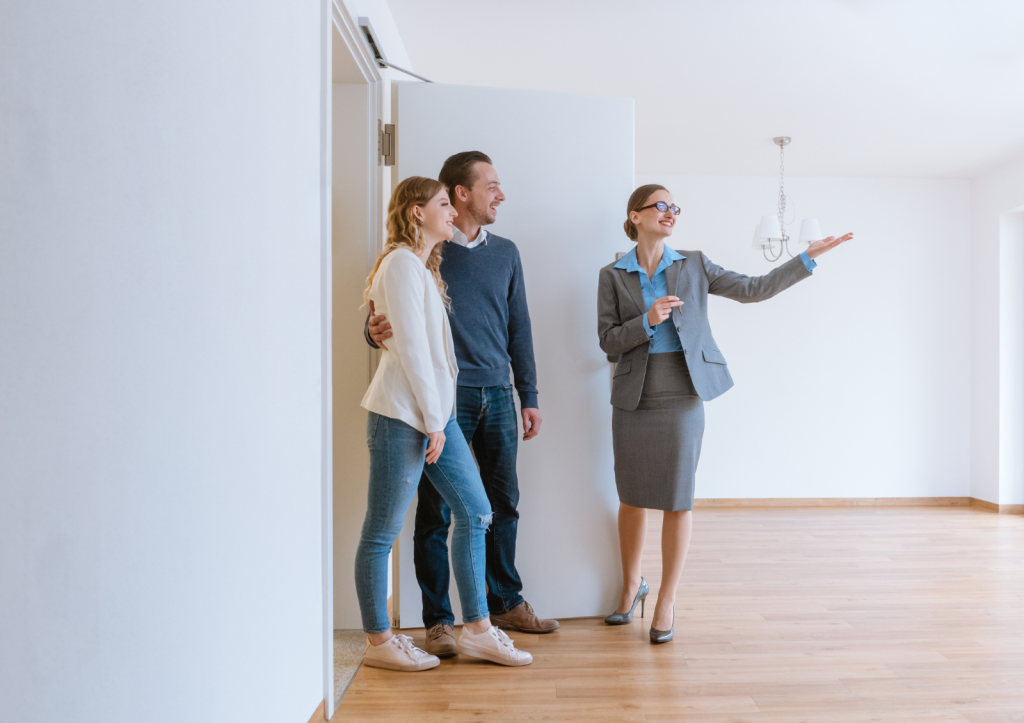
<point>435,446</point>
<point>819,247</point>
<point>662,309</point>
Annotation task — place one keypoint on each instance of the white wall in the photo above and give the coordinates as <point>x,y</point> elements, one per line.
<point>999,191</point>
<point>1011,358</point>
<point>160,368</point>
<point>856,382</point>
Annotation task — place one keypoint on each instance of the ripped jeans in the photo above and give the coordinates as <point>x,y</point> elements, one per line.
<point>396,463</point>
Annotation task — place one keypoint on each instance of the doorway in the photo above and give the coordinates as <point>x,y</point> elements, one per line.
<point>357,186</point>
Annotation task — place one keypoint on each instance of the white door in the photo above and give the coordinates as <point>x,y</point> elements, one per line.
<point>566,166</point>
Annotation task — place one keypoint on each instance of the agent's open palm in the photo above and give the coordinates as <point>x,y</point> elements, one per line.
<point>827,244</point>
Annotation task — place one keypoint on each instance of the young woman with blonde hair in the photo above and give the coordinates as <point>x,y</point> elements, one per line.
<point>411,424</point>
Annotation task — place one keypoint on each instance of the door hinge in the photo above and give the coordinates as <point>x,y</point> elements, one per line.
<point>385,143</point>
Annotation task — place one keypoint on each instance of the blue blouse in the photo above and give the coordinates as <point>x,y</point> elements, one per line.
<point>664,337</point>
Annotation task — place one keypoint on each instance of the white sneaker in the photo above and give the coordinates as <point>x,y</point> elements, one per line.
<point>492,645</point>
<point>398,653</point>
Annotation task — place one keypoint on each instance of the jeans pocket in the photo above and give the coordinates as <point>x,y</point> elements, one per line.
<point>372,425</point>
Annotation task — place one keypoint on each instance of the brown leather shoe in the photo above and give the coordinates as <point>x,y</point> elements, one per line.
<point>523,619</point>
<point>441,641</point>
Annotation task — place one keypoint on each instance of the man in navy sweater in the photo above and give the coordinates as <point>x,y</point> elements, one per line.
<point>491,329</point>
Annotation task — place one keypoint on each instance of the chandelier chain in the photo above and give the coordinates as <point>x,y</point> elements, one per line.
<point>766,241</point>
<point>782,191</point>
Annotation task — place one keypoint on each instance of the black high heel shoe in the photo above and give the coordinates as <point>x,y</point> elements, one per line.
<point>663,636</point>
<point>627,618</point>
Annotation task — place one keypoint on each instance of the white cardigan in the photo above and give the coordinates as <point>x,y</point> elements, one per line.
<point>415,381</point>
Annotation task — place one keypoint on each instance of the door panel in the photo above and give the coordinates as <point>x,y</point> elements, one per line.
<point>566,166</point>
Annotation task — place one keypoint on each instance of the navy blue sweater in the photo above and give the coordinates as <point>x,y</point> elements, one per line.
<point>489,317</point>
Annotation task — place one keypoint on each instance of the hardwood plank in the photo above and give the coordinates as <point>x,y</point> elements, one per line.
<point>785,614</point>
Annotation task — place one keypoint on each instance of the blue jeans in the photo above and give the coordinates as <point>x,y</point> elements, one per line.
<point>487,417</point>
<point>396,464</point>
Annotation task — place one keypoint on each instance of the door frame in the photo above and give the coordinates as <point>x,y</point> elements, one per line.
<point>336,18</point>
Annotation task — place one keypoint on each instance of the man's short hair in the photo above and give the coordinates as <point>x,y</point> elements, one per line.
<point>460,170</point>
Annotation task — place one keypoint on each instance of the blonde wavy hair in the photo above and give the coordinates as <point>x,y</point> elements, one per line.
<point>404,230</point>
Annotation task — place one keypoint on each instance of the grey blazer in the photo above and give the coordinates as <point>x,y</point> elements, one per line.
<point>620,326</point>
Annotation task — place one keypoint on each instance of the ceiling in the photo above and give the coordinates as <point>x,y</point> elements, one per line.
<point>931,88</point>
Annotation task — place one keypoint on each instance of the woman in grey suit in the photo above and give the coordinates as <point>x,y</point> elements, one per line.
<point>653,324</point>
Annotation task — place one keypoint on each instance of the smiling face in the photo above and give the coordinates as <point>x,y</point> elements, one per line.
<point>436,217</point>
<point>483,199</point>
<point>651,222</point>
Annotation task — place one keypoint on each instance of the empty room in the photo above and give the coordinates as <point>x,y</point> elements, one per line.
<point>389,360</point>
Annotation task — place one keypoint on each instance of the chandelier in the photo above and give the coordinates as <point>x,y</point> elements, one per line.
<point>770,235</point>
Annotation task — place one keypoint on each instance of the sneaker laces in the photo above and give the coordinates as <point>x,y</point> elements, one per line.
<point>439,630</point>
<point>503,640</point>
<point>405,645</point>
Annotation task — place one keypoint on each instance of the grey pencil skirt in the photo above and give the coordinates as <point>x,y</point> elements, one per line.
<point>657,445</point>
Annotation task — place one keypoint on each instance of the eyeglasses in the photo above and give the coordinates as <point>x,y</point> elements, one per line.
<point>661,206</point>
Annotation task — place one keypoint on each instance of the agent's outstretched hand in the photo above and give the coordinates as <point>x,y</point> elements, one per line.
<point>826,244</point>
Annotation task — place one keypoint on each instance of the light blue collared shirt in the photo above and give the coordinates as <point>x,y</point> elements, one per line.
<point>664,337</point>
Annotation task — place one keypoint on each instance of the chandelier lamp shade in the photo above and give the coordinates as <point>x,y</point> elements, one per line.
<point>810,231</point>
<point>770,234</point>
<point>767,233</point>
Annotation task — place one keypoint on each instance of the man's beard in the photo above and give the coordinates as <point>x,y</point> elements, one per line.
<point>483,215</point>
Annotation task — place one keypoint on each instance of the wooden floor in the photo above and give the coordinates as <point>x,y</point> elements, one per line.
<point>783,615</point>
